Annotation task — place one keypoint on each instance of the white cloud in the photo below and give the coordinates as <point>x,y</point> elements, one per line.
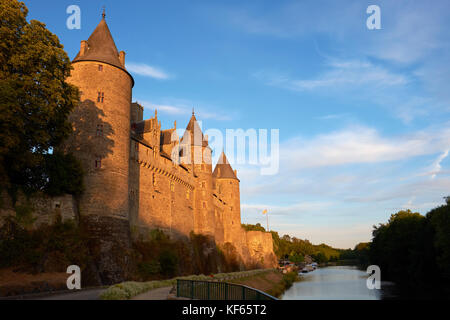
<point>348,74</point>
<point>183,108</point>
<point>147,71</point>
<point>436,168</point>
<point>360,145</point>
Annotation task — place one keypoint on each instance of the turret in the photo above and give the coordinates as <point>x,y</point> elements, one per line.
<point>227,188</point>
<point>101,140</point>
<point>196,153</point>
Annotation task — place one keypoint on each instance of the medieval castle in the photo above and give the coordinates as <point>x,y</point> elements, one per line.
<point>142,176</point>
<point>139,177</point>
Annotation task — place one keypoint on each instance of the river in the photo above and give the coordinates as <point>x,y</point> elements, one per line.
<point>337,283</point>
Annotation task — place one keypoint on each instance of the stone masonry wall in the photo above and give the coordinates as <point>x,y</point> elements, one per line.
<point>45,209</point>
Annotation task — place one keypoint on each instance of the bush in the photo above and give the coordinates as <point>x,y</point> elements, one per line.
<point>46,249</point>
<point>168,262</point>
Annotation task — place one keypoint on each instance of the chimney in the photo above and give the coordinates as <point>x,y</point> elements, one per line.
<point>83,47</point>
<point>122,57</point>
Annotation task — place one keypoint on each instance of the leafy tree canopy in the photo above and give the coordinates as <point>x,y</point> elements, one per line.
<point>35,99</point>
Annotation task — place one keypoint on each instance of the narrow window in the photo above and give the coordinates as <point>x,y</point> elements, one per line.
<point>204,205</point>
<point>172,186</point>
<point>100,97</point>
<point>203,184</point>
<point>188,195</point>
<point>154,179</point>
<point>100,67</point>
<point>98,163</point>
<point>99,130</point>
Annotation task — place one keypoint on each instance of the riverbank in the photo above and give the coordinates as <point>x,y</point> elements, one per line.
<point>272,282</point>
<point>130,289</point>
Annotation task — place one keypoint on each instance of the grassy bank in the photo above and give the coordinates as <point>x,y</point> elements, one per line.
<point>130,289</point>
<point>271,282</point>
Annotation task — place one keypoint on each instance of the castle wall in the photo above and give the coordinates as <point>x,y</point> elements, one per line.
<point>44,209</point>
<point>260,246</point>
<point>162,191</point>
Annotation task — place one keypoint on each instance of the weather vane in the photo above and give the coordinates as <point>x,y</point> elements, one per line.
<point>104,14</point>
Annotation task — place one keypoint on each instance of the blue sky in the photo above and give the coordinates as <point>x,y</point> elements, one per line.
<point>363,114</point>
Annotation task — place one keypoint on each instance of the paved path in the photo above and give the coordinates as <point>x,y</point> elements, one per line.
<point>88,294</point>
<point>156,294</point>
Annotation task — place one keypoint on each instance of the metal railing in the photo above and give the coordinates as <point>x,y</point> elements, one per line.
<point>214,290</point>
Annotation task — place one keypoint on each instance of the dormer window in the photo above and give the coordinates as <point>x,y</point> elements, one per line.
<point>100,67</point>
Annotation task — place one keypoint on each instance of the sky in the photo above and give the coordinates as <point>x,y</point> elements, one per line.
<point>363,115</point>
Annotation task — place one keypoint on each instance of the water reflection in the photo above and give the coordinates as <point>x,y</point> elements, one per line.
<point>336,283</point>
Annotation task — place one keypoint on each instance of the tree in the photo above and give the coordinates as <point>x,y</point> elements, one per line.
<point>35,99</point>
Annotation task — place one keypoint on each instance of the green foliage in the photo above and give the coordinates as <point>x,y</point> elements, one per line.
<point>64,175</point>
<point>253,227</point>
<point>289,278</point>
<point>24,215</point>
<point>161,257</point>
<point>296,249</point>
<point>45,249</point>
<point>35,99</point>
<point>439,222</point>
<point>414,250</point>
<point>168,261</point>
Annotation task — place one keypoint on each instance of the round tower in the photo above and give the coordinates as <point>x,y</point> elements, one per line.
<point>227,187</point>
<point>102,123</point>
<point>101,141</point>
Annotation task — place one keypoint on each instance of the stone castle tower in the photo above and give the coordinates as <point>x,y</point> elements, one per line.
<point>101,141</point>
<point>139,177</point>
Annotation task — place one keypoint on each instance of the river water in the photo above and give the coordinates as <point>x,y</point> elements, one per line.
<point>337,283</point>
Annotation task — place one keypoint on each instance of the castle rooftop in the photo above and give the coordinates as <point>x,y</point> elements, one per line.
<point>223,169</point>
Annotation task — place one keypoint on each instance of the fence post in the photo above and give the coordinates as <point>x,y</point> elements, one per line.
<point>192,289</point>
<point>226,291</point>
<point>209,297</point>
<point>178,288</point>
<point>243,293</point>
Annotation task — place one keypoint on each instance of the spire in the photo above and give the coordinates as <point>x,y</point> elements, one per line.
<point>193,128</point>
<point>101,47</point>
<point>223,169</point>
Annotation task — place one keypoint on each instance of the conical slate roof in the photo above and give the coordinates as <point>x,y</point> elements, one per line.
<point>223,169</point>
<point>193,128</point>
<point>101,47</point>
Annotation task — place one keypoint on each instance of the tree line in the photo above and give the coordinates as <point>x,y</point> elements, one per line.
<point>413,250</point>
